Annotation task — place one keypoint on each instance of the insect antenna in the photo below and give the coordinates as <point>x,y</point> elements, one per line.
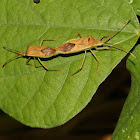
<point>15,57</point>
<point>119,29</point>
<point>14,51</point>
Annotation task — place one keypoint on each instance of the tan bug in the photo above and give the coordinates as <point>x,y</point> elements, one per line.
<point>35,52</point>
<point>88,43</point>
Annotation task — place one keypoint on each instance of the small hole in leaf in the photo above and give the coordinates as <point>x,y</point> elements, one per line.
<point>36,1</point>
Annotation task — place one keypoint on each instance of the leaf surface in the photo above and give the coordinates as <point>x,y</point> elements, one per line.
<point>136,6</point>
<point>46,99</point>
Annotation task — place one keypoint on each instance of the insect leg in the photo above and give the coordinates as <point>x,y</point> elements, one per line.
<point>45,66</point>
<point>79,34</point>
<point>41,43</point>
<point>80,66</point>
<point>96,60</point>
<point>27,62</point>
<point>95,56</point>
<point>36,64</point>
<point>107,48</point>
<point>117,48</point>
<point>102,38</point>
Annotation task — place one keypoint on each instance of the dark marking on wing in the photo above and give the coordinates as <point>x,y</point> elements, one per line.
<point>48,51</point>
<point>66,47</point>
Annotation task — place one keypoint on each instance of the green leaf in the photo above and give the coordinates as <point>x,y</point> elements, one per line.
<point>46,99</point>
<point>128,126</point>
<point>136,6</point>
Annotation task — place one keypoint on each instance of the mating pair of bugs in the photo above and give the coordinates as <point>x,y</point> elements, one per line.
<point>72,46</point>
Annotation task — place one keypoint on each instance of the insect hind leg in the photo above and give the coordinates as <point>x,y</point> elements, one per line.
<point>80,66</point>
